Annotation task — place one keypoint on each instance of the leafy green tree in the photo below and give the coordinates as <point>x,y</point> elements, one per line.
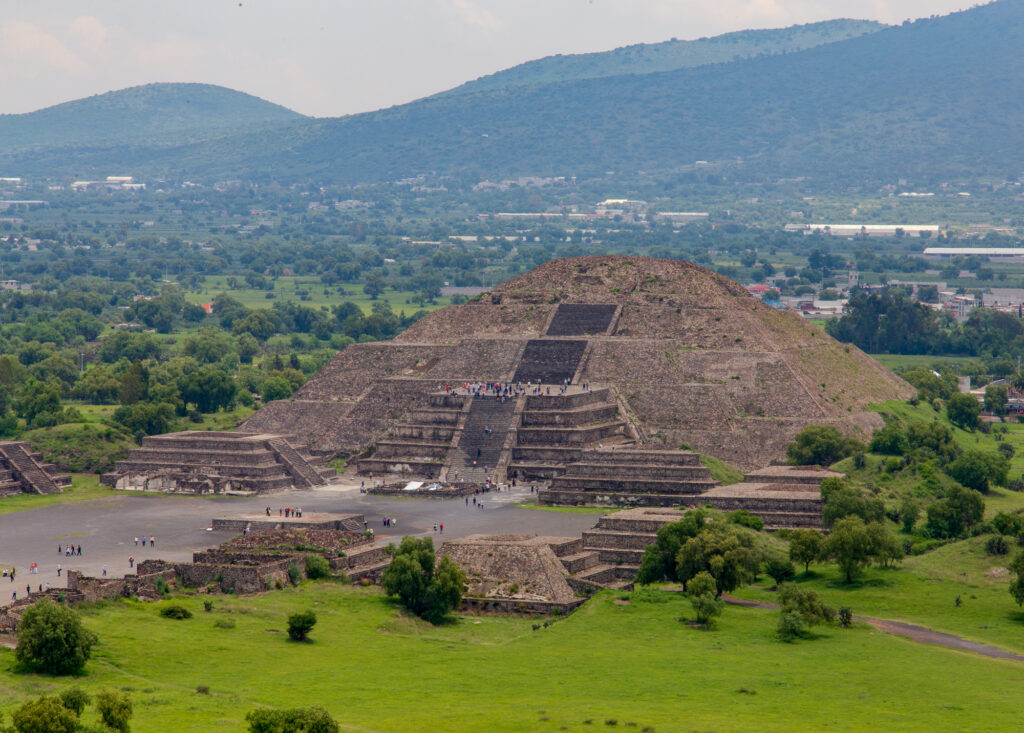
<point>1017,584</point>
<point>209,388</point>
<point>890,440</point>
<point>659,560</point>
<point>910,511</point>
<point>978,469</point>
<point>115,709</point>
<point>44,715</point>
<point>849,545</point>
<point>996,399</point>
<point>134,384</point>
<point>98,384</point>
<point>146,418</point>
<point>317,567</point>
<point>51,638</point>
<point>886,548</point>
<point>821,445</point>
<point>300,624</point>
<point>724,551</point>
<point>208,346</point>
<point>706,604</point>
<point>800,609</point>
<point>963,410</point>
<point>275,388</point>
<point>953,515</point>
<point>259,324</point>
<point>851,502</point>
<point>39,399</point>
<point>779,569</point>
<point>427,588</point>
<point>374,286</point>
<point>805,546</point>
<point>296,720</point>
<point>74,699</point>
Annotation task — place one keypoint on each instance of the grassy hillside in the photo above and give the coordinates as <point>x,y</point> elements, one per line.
<point>646,58</point>
<point>609,666</point>
<point>926,101</point>
<point>154,112</point>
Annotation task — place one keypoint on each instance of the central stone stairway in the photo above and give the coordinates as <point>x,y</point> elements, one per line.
<point>581,319</point>
<point>482,440</point>
<point>21,470</point>
<point>549,361</point>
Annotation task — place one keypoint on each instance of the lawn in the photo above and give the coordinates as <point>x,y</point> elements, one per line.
<point>376,669</point>
<point>901,361</point>
<point>84,486</point>
<point>924,591</point>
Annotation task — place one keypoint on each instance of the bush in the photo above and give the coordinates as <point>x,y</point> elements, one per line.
<point>51,638</point>
<point>297,720</point>
<point>176,612</point>
<point>745,519</point>
<point>910,510</point>
<point>74,699</point>
<point>317,567</point>
<point>821,445</point>
<point>922,546</point>
<point>1010,524</point>
<point>977,469</point>
<point>997,545</point>
<point>701,590</point>
<point>294,574</point>
<point>115,709</point>
<point>845,616</point>
<point>800,609</point>
<point>953,515</point>
<point>208,606</point>
<point>44,715</point>
<point>427,588</point>
<point>300,624</point>
<point>779,569</point>
<point>963,410</point>
<point>224,623</point>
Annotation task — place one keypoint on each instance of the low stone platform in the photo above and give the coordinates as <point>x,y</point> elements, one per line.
<point>260,522</point>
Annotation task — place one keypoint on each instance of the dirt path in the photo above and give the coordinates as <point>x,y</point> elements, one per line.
<point>913,632</point>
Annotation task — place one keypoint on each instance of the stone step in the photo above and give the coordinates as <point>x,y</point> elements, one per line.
<point>559,497</point>
<point>581,319</point>
<point>642,457</point>
<point>424,432</point>
<point>535,471</point>
<point>580,562</point>
<point>176,456</point>
<point>241,470</point>
<point>549,361</point>
<point>624,485</point>
<point>597,413</point>
<point>583,436</point>
<point>596,539</point>
<point>423,468</point>
<point>568,547</point>
<point>410,448</point>
<point>605,470</point>
<point>599,574</point>
<point>621,557</point>
<point>568,401</point>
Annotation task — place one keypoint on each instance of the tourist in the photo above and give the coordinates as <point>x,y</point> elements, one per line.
<point>28,590</point>
<point>58,569</point>
<point>152,541</point>
<point>104,571</point>
<point>143,541</point>
<point>12,574</point>
<point>131,561</point>
<point>268,511</point>
<point>136,541</point>
<point>79,549</point>
<point>442,528</point>
<point>14,596</point>
<point>435,526</point>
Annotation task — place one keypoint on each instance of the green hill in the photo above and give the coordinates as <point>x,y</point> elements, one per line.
<point>647,58</point>
<point>151,112</point>
<point>937,99</point>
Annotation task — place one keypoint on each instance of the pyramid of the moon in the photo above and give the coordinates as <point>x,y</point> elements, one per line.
<point>658,354</point>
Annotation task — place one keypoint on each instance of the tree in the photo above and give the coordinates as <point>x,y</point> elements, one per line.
<point>800,609</point>
<point>296,720</point>
<point>910,510</point>
<point>953,515</point>
<point>275,388</point>
<point>1017,584</point>
<point>849,545</point>
<point>996,399</point>
<point>115,709</point>
<point>374,286</point>
<point>724,551</point>
<point>977,469</point>
<point>659,560</point>
<point>134,384</point>
<point>44,715</point>
<point>209,388</point>
<point>706,605</point>
<point>963,410</point>
<point>51,638</point>
<point>805,546</point>
<point>300,624</point>
<point>886,548</point>
<point>74,699</point>
<point>427,588</point>
<point>779,569</point>
<point>889,440</point>
<point>145,418</point>
<point>821,445</point>
<point>851,502</point>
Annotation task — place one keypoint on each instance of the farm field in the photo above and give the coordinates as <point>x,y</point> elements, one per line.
<point>635,663</point>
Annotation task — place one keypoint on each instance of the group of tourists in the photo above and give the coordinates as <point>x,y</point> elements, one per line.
<point>388,521</point>
<point>68,550</point>
<point>287,511</point>
<point>152,541</point>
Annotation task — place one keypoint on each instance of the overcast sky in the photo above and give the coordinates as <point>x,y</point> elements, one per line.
<point>334,57</point>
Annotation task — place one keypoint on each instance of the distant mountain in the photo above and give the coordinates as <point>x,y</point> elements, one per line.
<point>151,112</point>
<point>647,58</point>
<point>936,99</point>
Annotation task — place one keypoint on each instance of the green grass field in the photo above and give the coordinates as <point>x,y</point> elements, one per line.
<point>635,664</point>
<point>899,361</point>
<point>84,486</point>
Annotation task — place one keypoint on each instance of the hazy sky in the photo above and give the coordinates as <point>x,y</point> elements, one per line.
<point>333,57</point>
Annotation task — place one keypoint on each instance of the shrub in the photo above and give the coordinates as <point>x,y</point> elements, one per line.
<point>74,699</point>
<point>1010,524</point>
<point>963,410</point>
<point>701,590</point>
<point>890,440</point>
<point>317,567</point>
<point>800,609</point>
<point>300,624</point>
<point>821,445</point>
<point>294,574</point>
<point>1017,584</point>
<point>297,720</point>
<point>427,588</point>
<point>779,569</point>
<point>849,502</point>
<point>224,623</point>
<point>845,616</point>
<point>44,715</point>
<point>910,510</point>
<point>51,638</point>
<point>805,546</point>
<point>745,519</point>
<point>115,709</point>
<point>208,606</point>
<point>953,515</point>
<point>977,469</point>
<point>997,545</point>
<point>176,612</point>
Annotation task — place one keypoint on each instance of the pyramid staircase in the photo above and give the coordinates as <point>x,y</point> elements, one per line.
<point>420,445</point>
<point>549,361</point>
<point>482,441</point>
<point>581,319</point>
<point>22,471</point>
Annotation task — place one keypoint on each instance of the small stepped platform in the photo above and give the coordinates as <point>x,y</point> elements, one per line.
<point>23,471</point>
<point>199,462</point>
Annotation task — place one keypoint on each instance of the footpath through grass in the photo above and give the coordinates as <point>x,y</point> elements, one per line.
<point>635,664</point>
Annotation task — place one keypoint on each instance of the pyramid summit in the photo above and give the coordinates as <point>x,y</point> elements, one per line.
<point>637,352</point>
